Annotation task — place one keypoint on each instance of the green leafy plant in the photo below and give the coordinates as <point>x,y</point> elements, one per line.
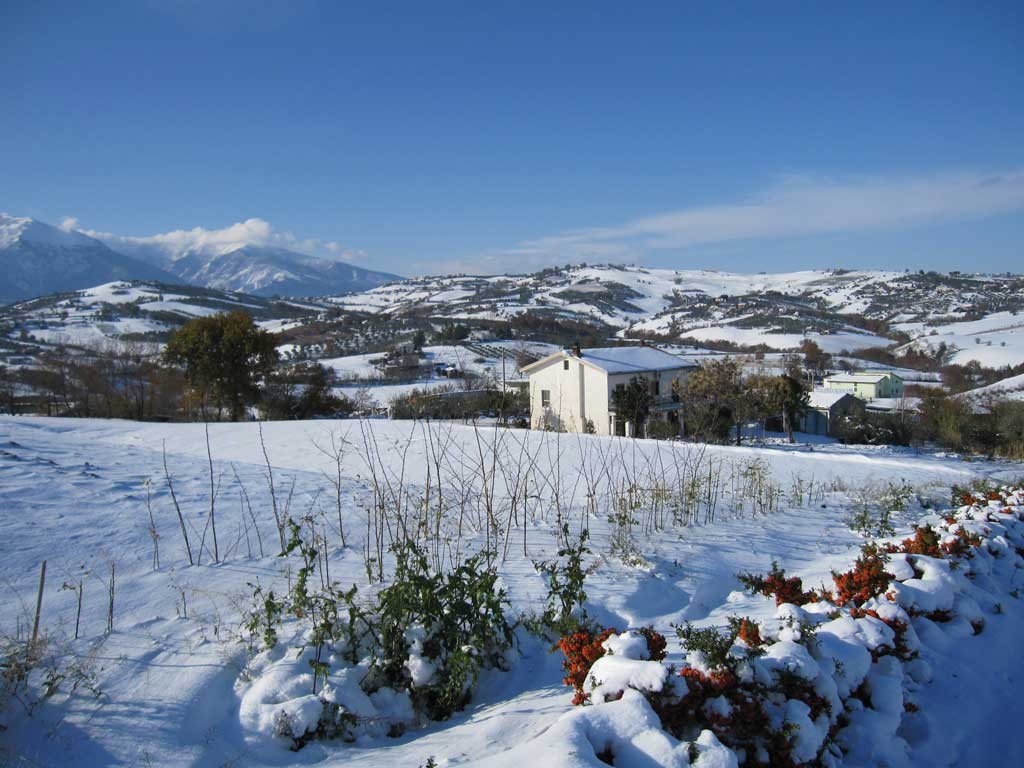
<point>709,641</point>
<point>461,617</point>
<point>566,577</point>
<point>265,615</point>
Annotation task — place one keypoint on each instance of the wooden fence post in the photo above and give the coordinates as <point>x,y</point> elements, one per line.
<point>39,602</point>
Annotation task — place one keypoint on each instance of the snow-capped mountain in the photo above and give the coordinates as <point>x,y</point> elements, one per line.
<point>239,258</point>
<point>40,259</point>
<point>264,271</point>
<point>37,259</point>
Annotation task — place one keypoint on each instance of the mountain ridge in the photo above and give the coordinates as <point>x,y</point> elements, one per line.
<point>42,259</point>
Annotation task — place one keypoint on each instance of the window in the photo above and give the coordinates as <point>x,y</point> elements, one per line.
<point>565,365</point>
<point>545,398</point>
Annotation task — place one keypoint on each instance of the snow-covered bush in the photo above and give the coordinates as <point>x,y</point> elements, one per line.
<point>867,579</point>
<point>411,655</point>
<point>32,671</point>
<point>754,705</point>
<point>438,630</point>
<point>582,649</point>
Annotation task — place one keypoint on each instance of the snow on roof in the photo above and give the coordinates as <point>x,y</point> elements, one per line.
<point>894,404</point>
<point>633,359</point>
<point>825,398</point>
<point>621,359</point>
<point>857,378</point>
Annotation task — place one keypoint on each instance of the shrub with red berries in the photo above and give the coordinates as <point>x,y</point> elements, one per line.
<point>656,643</point>
<point>867,579</point>
<point>776,584</point>
<point>581,650</point>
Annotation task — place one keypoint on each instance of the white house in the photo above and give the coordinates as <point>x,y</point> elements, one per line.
<point>573,387</point>
<point>867,385</point>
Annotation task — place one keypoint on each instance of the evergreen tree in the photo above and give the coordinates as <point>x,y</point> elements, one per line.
<point>224,357</point>
<point>713,400</point>
<point>633,402</point>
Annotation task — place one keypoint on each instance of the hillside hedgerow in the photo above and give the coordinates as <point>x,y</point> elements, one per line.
<point>801,689</point>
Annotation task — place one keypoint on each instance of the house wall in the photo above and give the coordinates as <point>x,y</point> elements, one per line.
<point>890,386</point>
<point>866,390</point>
<point>577,394</point>
<point>839,411</point>
<point>664,380</point>
<point>814,421</point>
<point>825,421</point>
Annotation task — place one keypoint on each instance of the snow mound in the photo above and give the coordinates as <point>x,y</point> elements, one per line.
<point>628,731</point>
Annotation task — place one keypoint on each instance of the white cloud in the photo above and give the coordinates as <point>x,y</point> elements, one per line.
<point>794,206</point>
<point>68,224</point>
<point>256,232</point>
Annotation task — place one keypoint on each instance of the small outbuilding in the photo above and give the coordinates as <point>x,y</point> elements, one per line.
<point>825,409</point>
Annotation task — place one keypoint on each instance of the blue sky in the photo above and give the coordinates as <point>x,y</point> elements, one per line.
<point>421,137</point>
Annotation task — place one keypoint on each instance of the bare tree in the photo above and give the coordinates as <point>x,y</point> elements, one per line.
<point>336,453</point>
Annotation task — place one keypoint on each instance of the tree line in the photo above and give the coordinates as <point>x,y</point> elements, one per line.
<point>717,400</point>
<point>213,368</point>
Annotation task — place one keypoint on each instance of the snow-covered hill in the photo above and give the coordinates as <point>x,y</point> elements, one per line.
<point>1011,388</point>
<point>995,340</point>
<point>836,308</point>
<point>121,311</point>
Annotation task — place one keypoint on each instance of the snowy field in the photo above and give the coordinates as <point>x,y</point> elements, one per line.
<point>833,343</point>
<point>994,341</point>
<point>179,687</point>
<point>652,285</point>
<point>1010,388</point>
<point>362,373</point>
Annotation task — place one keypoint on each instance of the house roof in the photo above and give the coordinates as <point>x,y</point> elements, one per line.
<point>620,360</point>
<point>825,398</point>
<point>857,378</point>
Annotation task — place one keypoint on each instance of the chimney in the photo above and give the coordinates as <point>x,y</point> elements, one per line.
<point>576,349</point>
